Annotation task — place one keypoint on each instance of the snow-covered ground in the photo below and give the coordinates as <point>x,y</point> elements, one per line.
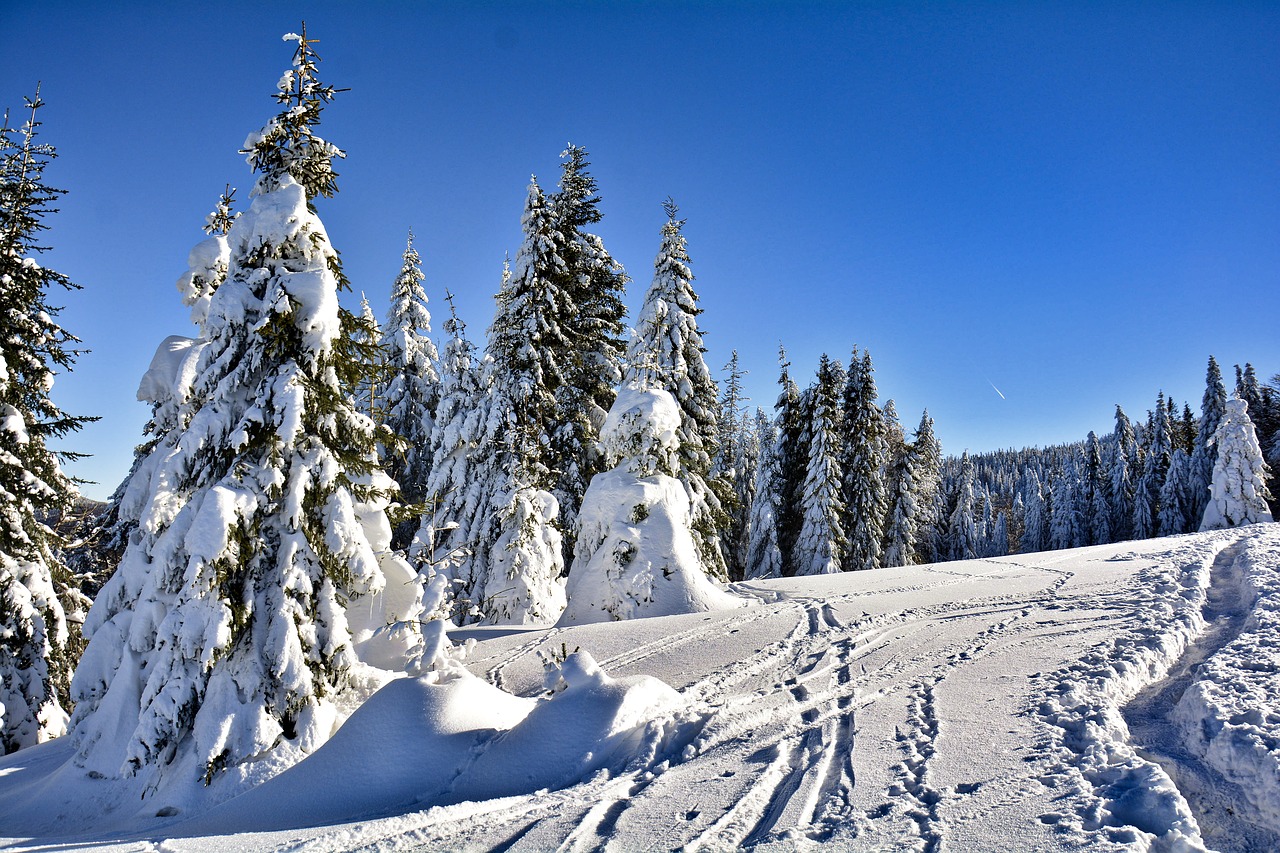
<point>1121,697</point>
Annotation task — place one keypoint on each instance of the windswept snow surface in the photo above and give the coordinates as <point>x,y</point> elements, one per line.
<point>971,706</point>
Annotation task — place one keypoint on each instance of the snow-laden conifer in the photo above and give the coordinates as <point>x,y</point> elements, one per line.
<point>1066,524</point>
<point>37,645</point>
<point>864,454</point>
<point>266,518</point>
<point>1035,532</point>
<point>764,559</point>
<point>733,470</point>
<point>822,547</point>
<point>1123,473</point>
<point>454,494</point>
<point>962,528</point>
<point>928,482</point>
<point>591,321</point>
<point>1155,467</point>
<point>666,353</point>
<point>902,535</point>
<point>412,390</point>
<point>791,461</point>
<point>1238,493</point>
<point>515,432</point>
<point>1175,497</point>
<point>1204,452</point>
<point>635,554</point>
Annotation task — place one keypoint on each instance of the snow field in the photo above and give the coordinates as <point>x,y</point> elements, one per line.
<point>976,705</point>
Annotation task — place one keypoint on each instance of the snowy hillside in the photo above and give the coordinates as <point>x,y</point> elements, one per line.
<point>1029,702</point>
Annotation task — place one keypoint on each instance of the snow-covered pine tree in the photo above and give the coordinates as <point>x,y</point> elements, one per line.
<point>666,353</point>
<point>1175,496</point>
<point>592,322</point>
<point>1096,494</point>
<point>791,461</point>
<point>1000,536</point>
<point>518,420</point>
<point>37,645</point>
<point>1204,453</point>
<point>1238,494</point>
<point>962,528</point>
<point>764,559</point>
<point>454,494</point>
<point>1146,500</point>
<point>734,468</point>
<point>411,391</point>
<point>821,548</point>
<point>1066,528</point>
<point>902,535</point>
<point>264,519</point>
<point>1035,531</point>
<point>863,457</point>
<point>1123,470</point>
<point>369,387</point>
<point>928,477</point>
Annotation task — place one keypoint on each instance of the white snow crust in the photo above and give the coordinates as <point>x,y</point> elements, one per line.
<point>998,704</point>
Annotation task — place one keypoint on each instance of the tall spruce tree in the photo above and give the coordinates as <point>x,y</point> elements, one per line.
<point>37,648</point>
<point>764,558</point>
<point>791,461</point>
<point>1175,497</point>
<point>1123,472</point>
<point>411,390</point>
<point>1155,467</point>
<point>928,476</point>
<point>1035,530</point>
<point>666,354</point>
<point>224,637</point>
<point>454,495</point>
<point>1204,453</point>
<point>591,321</point>
<point>734,468</point>
<point>962,528</point>
<point>821,547</point>
<point>864,456</point>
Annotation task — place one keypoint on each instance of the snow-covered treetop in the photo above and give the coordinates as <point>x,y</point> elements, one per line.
<point>642,429</point>
<point>287,145</point>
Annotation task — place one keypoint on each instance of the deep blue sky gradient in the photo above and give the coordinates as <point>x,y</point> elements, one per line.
<point>1076,203</point>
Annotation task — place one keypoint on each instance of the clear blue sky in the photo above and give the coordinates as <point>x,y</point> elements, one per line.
<point>1074,202</point>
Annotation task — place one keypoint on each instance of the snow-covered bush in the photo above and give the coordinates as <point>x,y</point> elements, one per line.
<point>1238,494</point>
<point>635,553</point>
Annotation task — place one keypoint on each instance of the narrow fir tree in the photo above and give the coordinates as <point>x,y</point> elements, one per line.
<point>821,547</point>
<point>734,468</point>
<point>902,534</point>
<point>591,321</point>
<point>37,648</point>
<point>764,558</point>
<point>1204,453</point>
<point>962,528</point>
<point>1175,497</point>
<point>928,476</point>
<point>791,458</point>
<point>666,354</point>
<point>453,491</point>
<point>1065,523</point>
<point>1035,533</point>
<point>369,387</point>
<point>1146,509</point>
<point>1123,471</point>
<point>412,387</point>
<point>864,456</point>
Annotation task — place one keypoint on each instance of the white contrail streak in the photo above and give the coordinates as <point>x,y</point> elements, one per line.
<point>994,388</point>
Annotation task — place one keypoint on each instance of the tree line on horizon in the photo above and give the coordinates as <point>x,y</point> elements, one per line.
<point>316,491</point>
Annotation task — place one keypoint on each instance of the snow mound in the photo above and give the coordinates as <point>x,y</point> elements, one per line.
<point>430,741</point>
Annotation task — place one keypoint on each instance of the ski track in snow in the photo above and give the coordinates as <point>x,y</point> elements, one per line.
<point>848,718</point>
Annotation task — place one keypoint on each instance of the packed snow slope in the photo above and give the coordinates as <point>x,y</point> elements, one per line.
<point>1121,697</point>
